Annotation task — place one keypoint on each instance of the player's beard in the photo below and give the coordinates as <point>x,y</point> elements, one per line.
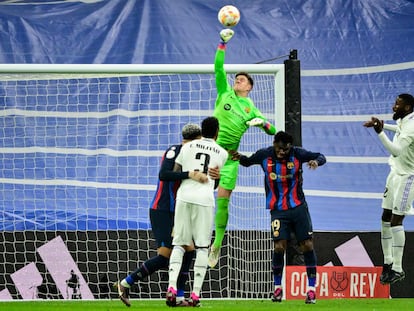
<point>398,115</point>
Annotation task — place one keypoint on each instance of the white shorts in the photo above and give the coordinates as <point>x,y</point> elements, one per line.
<point>192,222</point>
<point>399,194</point>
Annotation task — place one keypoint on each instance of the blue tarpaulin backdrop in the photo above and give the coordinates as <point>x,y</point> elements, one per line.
<point>356,56</point>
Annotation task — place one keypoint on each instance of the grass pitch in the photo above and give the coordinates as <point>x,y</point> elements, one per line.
<point>400,304</point>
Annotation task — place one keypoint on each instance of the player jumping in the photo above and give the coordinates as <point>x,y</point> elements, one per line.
<point>236,112</point>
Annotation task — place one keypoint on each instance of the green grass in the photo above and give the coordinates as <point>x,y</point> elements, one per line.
<point>401,304</point>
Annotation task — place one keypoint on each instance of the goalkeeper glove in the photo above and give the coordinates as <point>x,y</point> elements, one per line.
<point>226,34</point>
<point>255,122</point>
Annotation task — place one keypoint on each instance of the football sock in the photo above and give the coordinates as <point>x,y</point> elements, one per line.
<point>278,261</point>
<point>386,242</point>
<point>147,268</point>
<point>176,261</point>
<point>200,269</point>
<point>310,262</point>
<point>398,238</point>
<point>184,273</point>
<point>222,216</point>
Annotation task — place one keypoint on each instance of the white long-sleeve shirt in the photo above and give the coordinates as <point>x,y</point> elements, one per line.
<point>402,146</point>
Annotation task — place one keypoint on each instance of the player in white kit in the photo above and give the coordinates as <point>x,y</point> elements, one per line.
<point>194,210</point>
<point>399,188</point>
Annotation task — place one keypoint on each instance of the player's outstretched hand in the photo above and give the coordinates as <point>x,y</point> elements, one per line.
<point>313,164</point>
<point>376,123</point>
<point>255,122</point>
<point>226,34</point>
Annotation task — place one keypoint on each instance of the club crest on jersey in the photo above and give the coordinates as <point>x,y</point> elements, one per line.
<point>272,176</point>
<point>227,106</point>
<point>170,153</point>
<point>290,165</point>
<point>247,110</point>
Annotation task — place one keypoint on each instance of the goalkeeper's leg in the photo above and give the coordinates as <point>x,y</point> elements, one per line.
<point>228,178</point>
<point>221,219</point>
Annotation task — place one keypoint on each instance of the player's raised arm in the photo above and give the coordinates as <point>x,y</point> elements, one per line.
<point>221,75</point>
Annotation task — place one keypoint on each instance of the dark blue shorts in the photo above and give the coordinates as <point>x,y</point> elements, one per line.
<point>162,223</point>
<point>296,220</point>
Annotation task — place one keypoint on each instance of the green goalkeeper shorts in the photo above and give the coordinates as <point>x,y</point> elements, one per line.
<point>228,174</point>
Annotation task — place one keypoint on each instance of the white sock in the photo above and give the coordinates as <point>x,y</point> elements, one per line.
<point>124,283</point>
<point>398,237</point>
<point>176,261</point>
<point>386,242</point>
<point>200,269</point>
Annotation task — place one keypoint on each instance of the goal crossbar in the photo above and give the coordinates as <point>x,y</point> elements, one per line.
<point>278,70</point>
<point>136,68</point>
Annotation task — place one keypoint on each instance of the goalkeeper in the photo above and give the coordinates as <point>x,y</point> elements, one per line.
<point>236,112</point>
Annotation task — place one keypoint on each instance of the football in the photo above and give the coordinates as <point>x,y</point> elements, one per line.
<point>229,16</point>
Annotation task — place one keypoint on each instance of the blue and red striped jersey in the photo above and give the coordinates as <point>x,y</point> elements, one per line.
<point>283,178</point>
<point>168,182</point>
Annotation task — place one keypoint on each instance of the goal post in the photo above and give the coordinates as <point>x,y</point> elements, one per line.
<point>80,147</point>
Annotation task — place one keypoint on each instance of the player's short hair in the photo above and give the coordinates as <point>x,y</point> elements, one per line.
<point>249,77</point>
<point>408,99</point>
<point>191,131</point>
<point>209,127</point>
<point>283,137</point>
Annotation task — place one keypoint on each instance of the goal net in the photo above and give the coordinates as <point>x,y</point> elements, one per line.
<point>80,148</point>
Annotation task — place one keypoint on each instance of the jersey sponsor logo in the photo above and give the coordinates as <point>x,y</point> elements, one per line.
<point>274,176</point>
<point>228,107</point>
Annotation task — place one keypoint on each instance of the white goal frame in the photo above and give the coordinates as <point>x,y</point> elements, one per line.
<point>225,286</point>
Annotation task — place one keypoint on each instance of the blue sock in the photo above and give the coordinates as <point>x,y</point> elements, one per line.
<point>147,268</point>
<point>184,272</point>
<point>278,261</point>
<point>310,262</point>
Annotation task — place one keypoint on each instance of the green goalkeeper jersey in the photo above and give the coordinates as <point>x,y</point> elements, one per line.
<point>231,110</point>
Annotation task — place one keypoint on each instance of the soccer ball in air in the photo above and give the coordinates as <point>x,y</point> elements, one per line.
<point>229,16</point>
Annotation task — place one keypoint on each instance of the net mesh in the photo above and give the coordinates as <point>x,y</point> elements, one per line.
<point>79,158</point>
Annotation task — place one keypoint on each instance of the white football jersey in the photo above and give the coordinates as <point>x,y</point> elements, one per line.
<point>199,155</point>
<point>404,140</point>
